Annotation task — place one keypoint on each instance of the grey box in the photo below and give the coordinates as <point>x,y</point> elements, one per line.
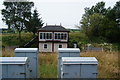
<point>14,67</point>
<point>0,69</point>
<point>79,67</point>
<point>32,54</point>
<point>66,52</point>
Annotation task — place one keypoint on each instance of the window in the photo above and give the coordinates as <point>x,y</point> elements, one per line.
<point>50,35</point>
<point>58,36</point>
<point>45,35</point>
<point>45,46</point>
<point>64,36</point>
<point>60,46</point>
<point>40,35</point>
<point>61,36</point>
<point>55,35</point>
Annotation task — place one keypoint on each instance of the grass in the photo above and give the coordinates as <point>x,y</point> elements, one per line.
<point>13,40</point>
<point>7,52</point>
<point>108,64</point>
<point>48,65</point>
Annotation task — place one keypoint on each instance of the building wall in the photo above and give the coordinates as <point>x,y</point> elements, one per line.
<point>56,46</point>
<point>48,49</point>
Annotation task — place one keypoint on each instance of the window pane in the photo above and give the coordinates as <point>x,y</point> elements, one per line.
<point>50,35</point>
<point>64,36</point>
<point>47,35</point>
<point>61,35</point>
<point>58,35</point>
<point>55,35</point>
<point>40,35</point>
<point>45,45</point>
<point>60,46</point>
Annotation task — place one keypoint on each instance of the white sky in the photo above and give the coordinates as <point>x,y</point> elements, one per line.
<point>66,12</point>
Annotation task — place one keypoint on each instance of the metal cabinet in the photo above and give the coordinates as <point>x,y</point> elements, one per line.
<point>79,67</point>
<point>66,52</point>
<point>14,67</point>
<point>32,54</point>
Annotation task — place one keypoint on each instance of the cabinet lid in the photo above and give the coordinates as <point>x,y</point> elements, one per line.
<point>69,50</point>
<point>26,50</point>
<point>13,60</point>
<point>79,60</point>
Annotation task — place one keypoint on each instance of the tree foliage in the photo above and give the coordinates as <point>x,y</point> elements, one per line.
<point>99,22</point>
<point>34,23</point>
<point>16,14</point>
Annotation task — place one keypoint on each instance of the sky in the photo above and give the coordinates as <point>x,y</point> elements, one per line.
<point>65,12</point>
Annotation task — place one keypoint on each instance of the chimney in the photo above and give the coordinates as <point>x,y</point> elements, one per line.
<point>60,24</point>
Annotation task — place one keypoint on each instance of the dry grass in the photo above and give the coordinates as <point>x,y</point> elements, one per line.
<point>7,52</point>
<point>107,63</point>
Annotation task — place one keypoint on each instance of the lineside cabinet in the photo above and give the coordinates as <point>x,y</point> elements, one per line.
<point>14,67</point>
<point>32,54</point>
<point>79,67</point>
<point>66,52</point>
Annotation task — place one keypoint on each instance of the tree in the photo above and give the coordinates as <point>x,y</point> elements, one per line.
<point>112,15</point>
<point>99,22</point>
<point>98,8</point>
<point>16,14</point>
<point>114,12</point>
<point>35,23</point>
<point>94,23</point>
<point>117,8</point>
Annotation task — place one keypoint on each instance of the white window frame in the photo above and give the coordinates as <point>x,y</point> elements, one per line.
<point>45,35</point>
<point>60,35</point>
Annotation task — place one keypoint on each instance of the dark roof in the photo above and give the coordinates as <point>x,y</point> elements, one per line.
<point>53,28</point>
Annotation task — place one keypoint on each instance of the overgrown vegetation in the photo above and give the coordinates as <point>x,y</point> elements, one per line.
<point>12,39</point>
<point>48,65</point>
<point>81,40</point>
<point>108,63</point>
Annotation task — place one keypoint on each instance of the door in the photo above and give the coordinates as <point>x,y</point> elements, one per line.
<point>60,55</point>
<point>71,71</point>
<point>32,58</point>
<point>88,71</point>
<point>32,64</point>
<point>4,70</point>
<point>16,71</point>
